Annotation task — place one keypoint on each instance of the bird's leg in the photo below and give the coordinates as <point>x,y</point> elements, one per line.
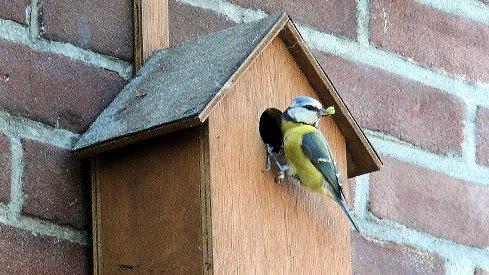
<point>283,170</point>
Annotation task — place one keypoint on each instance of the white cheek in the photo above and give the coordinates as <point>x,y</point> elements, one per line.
<point>305,116</point>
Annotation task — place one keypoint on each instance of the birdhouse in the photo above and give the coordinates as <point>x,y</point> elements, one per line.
<point>178,180</point>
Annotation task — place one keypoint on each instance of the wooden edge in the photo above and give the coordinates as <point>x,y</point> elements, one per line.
<point>137,14</point>
<point>118,142</point>
<point>274,31</point>
<point>206,199</point>
<point>95,217</point>
<point>151,26</point>
<point>367,159</point>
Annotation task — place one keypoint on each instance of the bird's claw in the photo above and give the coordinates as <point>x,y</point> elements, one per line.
<point>280,177</point>
<point>268,165</point>
<point>282,173</point>
<point>283,170</point>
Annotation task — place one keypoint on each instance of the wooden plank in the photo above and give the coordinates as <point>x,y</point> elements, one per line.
<point>151,29</point>
<point>206,199</point>
<point>149,198</point>
<point>260,227</point>
<point>95,217</point>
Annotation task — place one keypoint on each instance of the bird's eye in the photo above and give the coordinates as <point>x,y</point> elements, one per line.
<point>310,108</point>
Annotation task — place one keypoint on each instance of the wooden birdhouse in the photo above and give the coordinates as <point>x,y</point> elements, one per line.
<point>178,183</point>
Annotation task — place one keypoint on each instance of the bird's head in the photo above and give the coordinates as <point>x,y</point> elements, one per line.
<point>307,110</point>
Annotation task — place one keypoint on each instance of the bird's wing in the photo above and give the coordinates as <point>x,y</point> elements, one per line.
<point>317,150</point>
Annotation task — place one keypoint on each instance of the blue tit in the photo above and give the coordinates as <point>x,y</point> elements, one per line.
<point>307,152</point>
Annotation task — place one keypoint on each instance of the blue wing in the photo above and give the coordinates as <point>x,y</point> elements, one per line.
<point>317,150</point>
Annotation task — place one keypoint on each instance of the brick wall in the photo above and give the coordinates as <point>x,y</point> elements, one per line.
<point>414,72</point>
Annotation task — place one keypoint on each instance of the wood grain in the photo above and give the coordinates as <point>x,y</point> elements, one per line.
<point>259,226</point>
<point>206,199</point>
<point>95,216</point>
<point>151,29</point>
<point>148,207</point>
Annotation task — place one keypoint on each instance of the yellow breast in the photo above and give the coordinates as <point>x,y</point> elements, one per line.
<point>308,174</point>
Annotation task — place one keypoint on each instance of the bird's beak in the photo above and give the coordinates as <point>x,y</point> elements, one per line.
<point>327,112</point>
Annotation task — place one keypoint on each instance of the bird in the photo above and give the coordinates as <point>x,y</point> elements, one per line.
<point>307,153</point>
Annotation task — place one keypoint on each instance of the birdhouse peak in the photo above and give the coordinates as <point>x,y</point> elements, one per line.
<point>179,86</point>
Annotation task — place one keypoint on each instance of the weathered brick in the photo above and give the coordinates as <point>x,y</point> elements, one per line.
<point>431,202</point>
<point>432,37</point>
<point>52,88</point>
<point>25,253</point>
<point>375,257</point>
<point>335,16</point>
<point>397,106</point>
<point>14,10</point>
<point>55,185</point>
<point>5,168</point>
<point>483,136</point>
<point>188,22</point>
<point>102,26</point>
<point>480,271</point>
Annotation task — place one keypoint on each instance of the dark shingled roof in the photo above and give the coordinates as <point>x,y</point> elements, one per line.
<point>177,83</point>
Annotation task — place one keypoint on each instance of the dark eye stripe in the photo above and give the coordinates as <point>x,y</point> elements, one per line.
<point>311,108</point>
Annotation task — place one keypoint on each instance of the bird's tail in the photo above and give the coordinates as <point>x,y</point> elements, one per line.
<point>347,212</point>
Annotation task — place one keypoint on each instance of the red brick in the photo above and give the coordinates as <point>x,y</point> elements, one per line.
<point>385,102</point>
<point>14,10</point>
<point>55,185</point>
<point>483,136</point>
<point>480,271</point>
<point>335,16</point>
<point>52,88</point>
<point>99,25</point>
<point>188,22</point>
<point>431,37</point>
<point>431,202</point>
<point>5,169</point>
<point>25,253</point>
<point>375,257</point>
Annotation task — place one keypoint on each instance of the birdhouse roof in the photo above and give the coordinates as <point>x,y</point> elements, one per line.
<point>178,87</point>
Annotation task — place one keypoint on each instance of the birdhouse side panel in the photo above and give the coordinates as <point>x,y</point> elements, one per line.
<point>148,206</point>
<point>259,226</point>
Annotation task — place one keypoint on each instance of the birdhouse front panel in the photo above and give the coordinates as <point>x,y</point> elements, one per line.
<point>258,225</point>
